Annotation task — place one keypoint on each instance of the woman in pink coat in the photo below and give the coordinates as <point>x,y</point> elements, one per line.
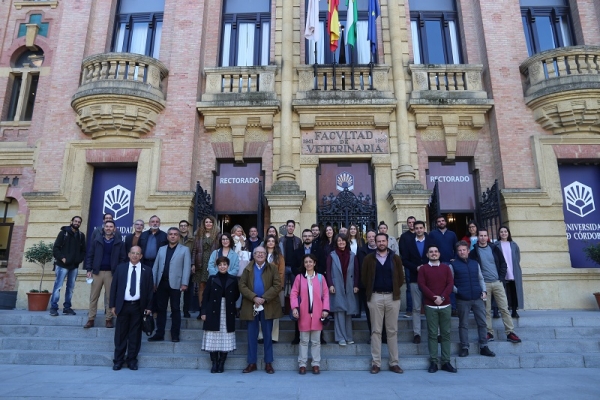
<point>310,304</point>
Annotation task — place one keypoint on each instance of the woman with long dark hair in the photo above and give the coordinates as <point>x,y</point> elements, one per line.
<point>514,277</point>
<point>218,313</point>
<point>205,242</point>
<point>342,279</point>
<point>354,238</point>
<point>326,246</point>
<point>274,256</point>
<point>471,235</point>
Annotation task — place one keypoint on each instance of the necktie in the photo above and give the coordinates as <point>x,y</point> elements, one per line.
<point>133,283</point>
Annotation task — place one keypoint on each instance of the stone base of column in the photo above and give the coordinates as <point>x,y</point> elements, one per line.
<point>285,200</point>
<point>408,198</point>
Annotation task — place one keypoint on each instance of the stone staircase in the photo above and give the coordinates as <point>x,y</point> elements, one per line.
<point>566,339</point>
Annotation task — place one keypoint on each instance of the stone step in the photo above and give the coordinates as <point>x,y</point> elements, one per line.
<point>290,363</point>
<point>285,349</point>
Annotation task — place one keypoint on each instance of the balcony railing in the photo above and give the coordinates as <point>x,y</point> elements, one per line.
<point>328,77</point>
<point>124,67</point>
<point>449,81</point>
<point>119,94</point>
<point>565,68</point>
<point>240,79</point>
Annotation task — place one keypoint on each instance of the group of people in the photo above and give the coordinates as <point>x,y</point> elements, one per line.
<point>323,273</point>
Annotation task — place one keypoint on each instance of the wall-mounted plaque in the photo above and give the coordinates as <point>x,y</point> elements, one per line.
<point>349,142</point>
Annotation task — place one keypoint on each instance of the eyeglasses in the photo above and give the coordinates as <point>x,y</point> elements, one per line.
<point>260,252</point>
<point>135,254</point>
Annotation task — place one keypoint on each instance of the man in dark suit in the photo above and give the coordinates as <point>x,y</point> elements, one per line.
<point>152,240</point>
<point>130,298</point>
<point>171,274</point>
<point>413,257</point>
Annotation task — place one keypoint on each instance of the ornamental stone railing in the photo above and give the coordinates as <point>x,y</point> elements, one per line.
<point>562,87</point>
<point>230,85</point>
<point>452,82</point>
<point>343,77</point>
<point>120,94</point>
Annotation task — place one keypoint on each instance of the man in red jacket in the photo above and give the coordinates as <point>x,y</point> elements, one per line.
<point>436,283</point>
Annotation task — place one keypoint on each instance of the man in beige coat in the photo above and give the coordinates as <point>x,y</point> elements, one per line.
<point>260,285</point>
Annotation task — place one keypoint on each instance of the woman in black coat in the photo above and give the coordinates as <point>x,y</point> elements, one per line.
<point>218,313</point>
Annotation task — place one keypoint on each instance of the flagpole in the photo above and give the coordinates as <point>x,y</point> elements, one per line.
<point>316,83</point>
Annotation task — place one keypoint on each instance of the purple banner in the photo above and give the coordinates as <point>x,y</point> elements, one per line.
<point>113,191</point>
<point>580,185</point>
<point>456,186</point>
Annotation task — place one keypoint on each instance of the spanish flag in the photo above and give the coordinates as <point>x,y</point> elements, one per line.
<point>334,24</point>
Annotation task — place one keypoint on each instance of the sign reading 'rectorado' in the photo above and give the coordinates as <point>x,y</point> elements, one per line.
<point>345,142</point>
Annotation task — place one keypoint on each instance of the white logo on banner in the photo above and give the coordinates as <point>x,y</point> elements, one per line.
<point>579,198</point>
<point>116,201</point>
<point>344,181</point>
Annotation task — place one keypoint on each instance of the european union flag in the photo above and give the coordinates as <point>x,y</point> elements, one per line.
<point>372,31</point>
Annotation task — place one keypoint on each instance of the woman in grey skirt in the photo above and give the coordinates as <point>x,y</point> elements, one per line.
<point>218,313</point>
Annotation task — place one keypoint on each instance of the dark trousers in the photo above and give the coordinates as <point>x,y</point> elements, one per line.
<point>362,299</point>
<point>187,297</point>
<point>128,332</point>
<point>511,295</point>
<point>409,305</point>
<point>163,295</point>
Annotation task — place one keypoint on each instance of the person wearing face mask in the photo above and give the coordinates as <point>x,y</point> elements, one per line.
<point>106,252</point>
<point>218,313</point>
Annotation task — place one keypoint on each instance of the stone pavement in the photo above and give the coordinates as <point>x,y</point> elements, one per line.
<point>86,382</point>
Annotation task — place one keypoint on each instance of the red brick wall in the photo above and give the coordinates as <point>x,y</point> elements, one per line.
<point>586,21</point>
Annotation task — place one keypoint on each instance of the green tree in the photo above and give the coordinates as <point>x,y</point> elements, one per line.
<point>40,254</point>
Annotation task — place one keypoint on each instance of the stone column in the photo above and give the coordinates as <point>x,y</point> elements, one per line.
<point>397,22</point>
<point>408,196</point>
<point>285,197</point>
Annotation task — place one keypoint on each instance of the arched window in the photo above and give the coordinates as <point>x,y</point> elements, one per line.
<point>22,86</point>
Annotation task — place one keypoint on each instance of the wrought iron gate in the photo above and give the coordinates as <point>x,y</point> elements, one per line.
<point>434,206</point>
<point>347,208</point>
<point>490,213</point>
<point>202,205</point>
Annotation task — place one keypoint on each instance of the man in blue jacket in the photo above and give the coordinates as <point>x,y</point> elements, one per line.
<point>106,252</point>
<point>469,287</point>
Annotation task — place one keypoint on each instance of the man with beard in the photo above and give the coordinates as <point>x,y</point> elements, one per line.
<point>69,252</point>
<point>152,240</point>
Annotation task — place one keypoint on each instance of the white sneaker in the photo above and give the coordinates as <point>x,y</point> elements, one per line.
<point>342,342</point>
<point>350,341</point>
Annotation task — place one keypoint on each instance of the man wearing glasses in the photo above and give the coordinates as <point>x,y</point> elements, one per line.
<point>260,285</point>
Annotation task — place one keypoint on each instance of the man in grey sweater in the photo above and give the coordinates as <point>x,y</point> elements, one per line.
<point>493,268</point>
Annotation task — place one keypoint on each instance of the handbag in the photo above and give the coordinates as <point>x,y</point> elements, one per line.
<point>148,324</point>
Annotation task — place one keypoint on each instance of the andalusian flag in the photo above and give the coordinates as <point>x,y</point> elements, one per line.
<point>333,21</point>
<point>351,19</point>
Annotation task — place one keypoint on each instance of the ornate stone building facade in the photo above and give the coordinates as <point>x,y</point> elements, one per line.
<point>227,92</point>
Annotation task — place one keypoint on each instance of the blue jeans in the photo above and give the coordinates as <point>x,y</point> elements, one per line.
<point>267,328</point>
<point>71,276</point>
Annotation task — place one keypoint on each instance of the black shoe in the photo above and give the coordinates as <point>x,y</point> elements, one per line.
<point>261,341</point>
<point>273,341</point>
<point>175,339</point>
<point>514,315</point>
<point>69,311</point>
<point>432,367</point>
<point>117,366</point>
<point>464,352</point>
<point>485,351</point>
<point>221,364</point>
<point>323,341</point>
<point>496,314</point>
<point>448,367</point>
<point>156,338</point>
<point>417,339</point>
<point>296,341</point>
<point>199,317</point>
<point>214,357</point>
<point>186,314</point>
<point>133,365</point>
<point>54,312</point>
